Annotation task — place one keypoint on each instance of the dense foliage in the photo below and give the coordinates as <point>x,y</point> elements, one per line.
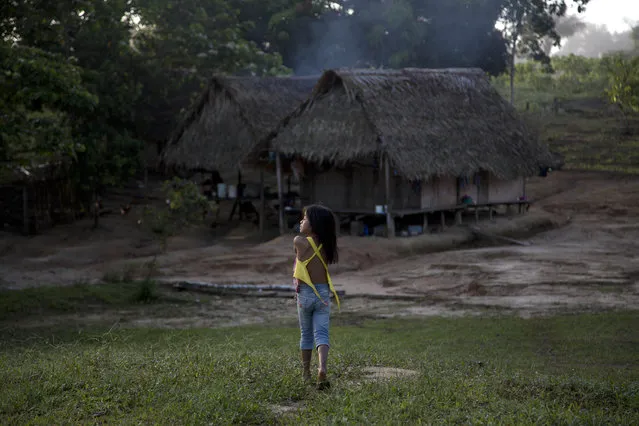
<point>90,82</point>
<point>614,77</point>
<point>41,98</point>
<point>624,82</point>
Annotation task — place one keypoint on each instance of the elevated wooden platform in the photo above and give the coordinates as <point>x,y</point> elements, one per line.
<point>450,208</point>
<point>458,209</point>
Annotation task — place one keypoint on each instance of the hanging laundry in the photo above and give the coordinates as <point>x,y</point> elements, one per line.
<point>463,182</point>
<point>467,200</point>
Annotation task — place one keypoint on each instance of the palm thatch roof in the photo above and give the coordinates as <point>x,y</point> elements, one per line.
<point>230,117</point>
<point>428,122</point>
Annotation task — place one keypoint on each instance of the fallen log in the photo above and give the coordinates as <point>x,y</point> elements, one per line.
<point>262,290</point>
<point>482,234</point>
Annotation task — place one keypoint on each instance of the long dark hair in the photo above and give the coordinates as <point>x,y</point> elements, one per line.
<point>322,221</point>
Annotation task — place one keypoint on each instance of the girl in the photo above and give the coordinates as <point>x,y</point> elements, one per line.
<point>313,253</point>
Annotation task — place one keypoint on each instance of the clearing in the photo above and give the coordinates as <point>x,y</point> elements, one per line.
<point>585,259</point>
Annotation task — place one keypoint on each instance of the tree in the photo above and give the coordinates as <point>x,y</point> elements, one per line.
<point>460,33</point>
<point>179,46</point>
<point>42,100</point>
<point>578,74</point>
<point>623,88</point>
<point>200,35</point>
<point>313,36</point>
<point>95,37</point>
<point>185,207</point>
<point>138,59</point>
<point>525,22</point>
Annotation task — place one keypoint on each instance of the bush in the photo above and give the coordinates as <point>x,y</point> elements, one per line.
<point>185,206</point>
<point>146,291</point>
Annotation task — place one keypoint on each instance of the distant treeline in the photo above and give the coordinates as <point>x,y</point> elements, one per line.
<point>614,77</point>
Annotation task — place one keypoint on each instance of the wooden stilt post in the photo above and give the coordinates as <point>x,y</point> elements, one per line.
<point>280,196</point>
<point>458,217</point>
<point>524,195</point>
<point>348,201</point>
<point>49,208</point>
<point>442,218</point>
<point>390,221</point>
<point>476,214</point>
<point>238,197</point>
<point>425,223</point>
<point>262,202</point>
<point>490,213</point>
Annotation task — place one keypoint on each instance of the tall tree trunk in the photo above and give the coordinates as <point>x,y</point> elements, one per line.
<point>262,203</point>
<point>512,70</point>
<point>96,210</point>
<point>146,180</point>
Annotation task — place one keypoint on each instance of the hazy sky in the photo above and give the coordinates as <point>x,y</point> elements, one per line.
<point>617,15</point>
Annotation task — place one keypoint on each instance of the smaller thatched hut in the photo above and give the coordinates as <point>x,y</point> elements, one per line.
<point>230,117</point>
<point>415,140</point>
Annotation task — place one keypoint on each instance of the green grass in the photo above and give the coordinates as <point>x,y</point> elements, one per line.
<point>539,100</point>
<point>574,369</point>
<point>590,135</point>
<point>79,297</point>
<point>592,142</point>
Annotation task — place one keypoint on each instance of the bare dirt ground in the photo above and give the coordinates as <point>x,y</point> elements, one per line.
<point>586,259</point>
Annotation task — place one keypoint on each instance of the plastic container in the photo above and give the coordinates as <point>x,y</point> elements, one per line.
<point>232,191</point>
<point>221,190</point>
<point>415,230</point>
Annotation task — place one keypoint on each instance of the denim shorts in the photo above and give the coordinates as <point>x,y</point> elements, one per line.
<point>313,315</point>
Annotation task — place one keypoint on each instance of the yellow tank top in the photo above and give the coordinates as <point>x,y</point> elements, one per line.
<point>301,271</point>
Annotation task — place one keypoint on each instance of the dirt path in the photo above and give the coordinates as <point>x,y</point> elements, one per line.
<point>590,263</point>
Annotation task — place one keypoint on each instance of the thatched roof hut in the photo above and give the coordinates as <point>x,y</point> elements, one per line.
<point>231,117</point>
<point>427,122</point>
